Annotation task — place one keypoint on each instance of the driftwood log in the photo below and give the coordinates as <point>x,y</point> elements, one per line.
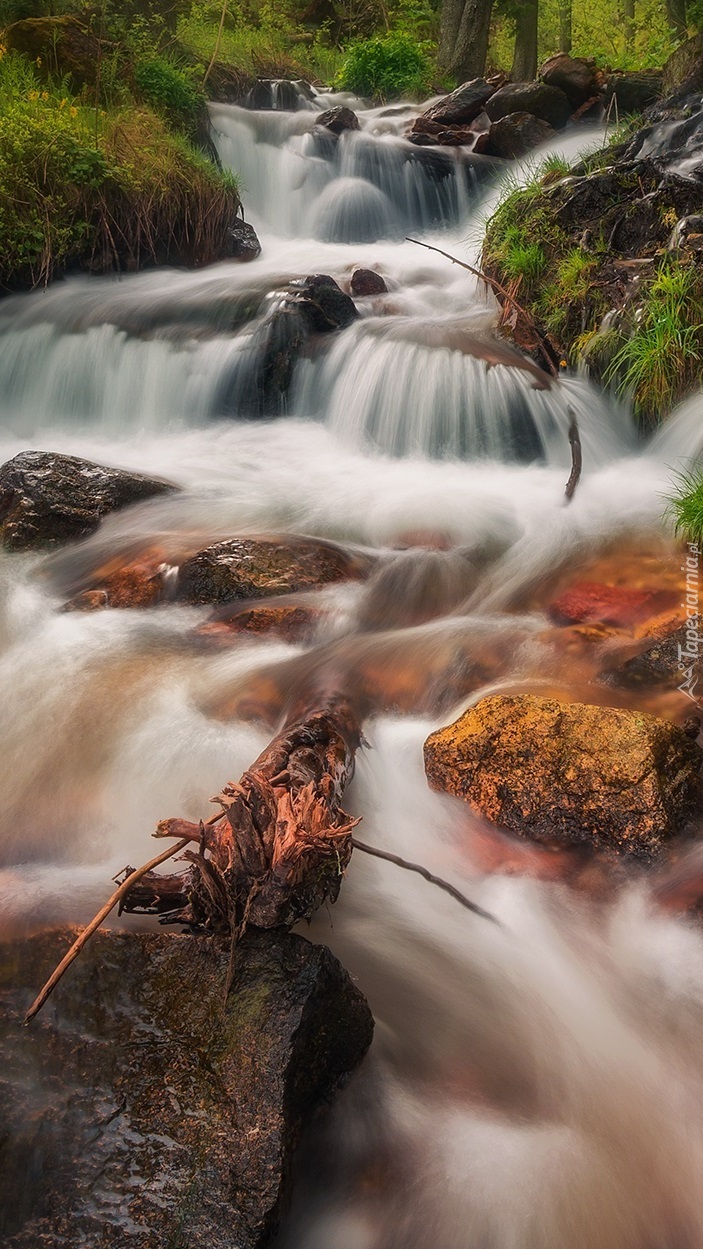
<point>279,846</point>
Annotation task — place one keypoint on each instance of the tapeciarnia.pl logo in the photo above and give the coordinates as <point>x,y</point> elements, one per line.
<point>690,653</point>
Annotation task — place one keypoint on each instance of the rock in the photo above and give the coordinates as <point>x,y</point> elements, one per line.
<point>516,134</point>
<point>590,601</point>
<point>367,282</point>
<point>276,93</point>
<point>323,304</point>
<point>252,568</point>
<point>47,498</point>
<point>687,234</point>
<point>338,119</point>
<point>670,661</point>
<point>424,132</point>
<point>287,621</point>
<point>578,78</point>
<point>243,242</point>
<point>139,1109</point>
<point>58,45</point>
<point>569,773</point>
<point>136,584</point>
<point>463,104</point>
<point>684,68</point>
<point>548,103</point>
<point>633,92</point>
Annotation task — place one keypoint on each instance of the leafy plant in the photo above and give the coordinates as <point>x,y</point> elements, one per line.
<point>169,90</point>
<point>386,67</point>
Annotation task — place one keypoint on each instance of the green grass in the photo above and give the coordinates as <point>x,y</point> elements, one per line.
<point>661,356</point>
<point>685,505</point>
<point>386,67</point>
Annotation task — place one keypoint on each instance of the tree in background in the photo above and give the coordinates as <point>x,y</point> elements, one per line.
<point>565,25</point>
<point>526,52</point>
<point>464,34</point>
<point>676,15</point>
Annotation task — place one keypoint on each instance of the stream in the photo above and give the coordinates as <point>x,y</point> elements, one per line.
<point>530,1086</point>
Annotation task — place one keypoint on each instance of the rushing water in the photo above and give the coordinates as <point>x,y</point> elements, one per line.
<point>530,1087</point>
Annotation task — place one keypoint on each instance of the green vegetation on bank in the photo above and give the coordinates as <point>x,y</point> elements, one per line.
<point>685,505</point>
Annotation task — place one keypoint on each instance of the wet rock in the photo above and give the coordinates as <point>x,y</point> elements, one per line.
<point>287,621</point>
<point>338,119</point>
<point>243,242</point>
<point>464,104</point>
<point>578,78</point>
<point>670,661</point>
<point>324,305</point>
<point>439,133</point>
<point>570,773</point>
<point>687,234</point>
<point>437,165</point>
<point>140,1109</point>
<point>58,45</point>
<point>633,93</point>
<point>140,583</point>
<point>367,282</point>
<point>252,568</point>
<point>537,98</point>
<point>46,498</point>
<point>588,602</point>
<point>517,134</point>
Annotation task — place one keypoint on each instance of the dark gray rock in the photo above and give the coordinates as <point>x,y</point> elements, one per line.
<point>667,662</point>
<point>338,119</point>
<point>243,242</point>
<point>367,282</point>
<point>47,498</point>
<point>138,1110</point>
<point>255,568</point>
<point>633,93</point>
<point>537,98</point>
<point>517,134</point>
<point>578,78</point>
<point>323,304</point>
<point>464,104</point>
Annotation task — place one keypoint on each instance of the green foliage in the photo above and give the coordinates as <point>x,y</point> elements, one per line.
<point>170,91</point>
<point>685,505</point>
<point>78,184</point>
<point>660,358</point>
<point>386,67</point>
<point>599,30</point>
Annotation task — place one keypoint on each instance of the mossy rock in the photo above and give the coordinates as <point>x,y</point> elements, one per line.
<point>58,46</point>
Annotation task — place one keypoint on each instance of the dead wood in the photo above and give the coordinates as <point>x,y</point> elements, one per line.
<point>279,847</point>
<point>576,458</point>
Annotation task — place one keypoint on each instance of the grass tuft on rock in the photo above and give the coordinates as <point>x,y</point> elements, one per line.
<point>685,505</point>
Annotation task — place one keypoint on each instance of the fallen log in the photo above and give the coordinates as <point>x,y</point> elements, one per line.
<point>279,849</point>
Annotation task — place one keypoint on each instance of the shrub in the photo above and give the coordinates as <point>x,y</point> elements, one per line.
<point>685,506</point>
<point>170,91</point>
<point>386,67</point>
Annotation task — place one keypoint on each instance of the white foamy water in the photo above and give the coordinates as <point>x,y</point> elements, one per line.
<point>531,1086</point>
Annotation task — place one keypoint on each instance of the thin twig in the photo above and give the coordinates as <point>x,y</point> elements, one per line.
<point>95,924</point>
<point>434,880</point>
<point>216,50</point>
<point>500,290</point>
<point>576,457</point>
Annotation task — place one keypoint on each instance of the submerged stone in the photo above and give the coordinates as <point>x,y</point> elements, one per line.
<point>570,772</point>
<point>140,1109</point>
<point>252,568</point>
<point>46,498</point>
<point>338,119</point>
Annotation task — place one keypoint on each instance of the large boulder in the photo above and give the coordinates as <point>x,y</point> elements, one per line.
<point>537,98</point>
<point>47,498</point>
<point>464,104</point>
<point>578,78</point>
<point>517,134</point>
<point>141,1109</point>
<point>253,568</point>
<point>58,45</point>
<point>570,772</point>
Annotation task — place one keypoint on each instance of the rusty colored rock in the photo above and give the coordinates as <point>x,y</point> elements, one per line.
<point>252,568</point>
<point>589,602</point>
<point>286,621</point>
<point>139,584</point>
<point>570,773</point>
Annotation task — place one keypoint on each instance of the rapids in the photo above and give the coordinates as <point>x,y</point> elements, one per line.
<point>530,1086</point>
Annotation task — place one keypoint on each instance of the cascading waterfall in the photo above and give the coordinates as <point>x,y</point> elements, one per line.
<point>527,1087</point>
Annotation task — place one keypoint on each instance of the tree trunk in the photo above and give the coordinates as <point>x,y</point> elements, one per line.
<point>565,24</point>
<point>280,847</point>
<point>676,18</point>
<point>628,15</point>
<point>464,37</point>
<point>525,59</point>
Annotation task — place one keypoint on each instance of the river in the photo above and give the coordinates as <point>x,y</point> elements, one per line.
<point>530,1086</point>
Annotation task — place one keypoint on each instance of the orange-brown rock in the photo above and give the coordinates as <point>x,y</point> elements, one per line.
<point>139,584</point>
<point>622,606</point>
<point>570,773</point>
<point>286,621</point>
<point>253,568</point>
